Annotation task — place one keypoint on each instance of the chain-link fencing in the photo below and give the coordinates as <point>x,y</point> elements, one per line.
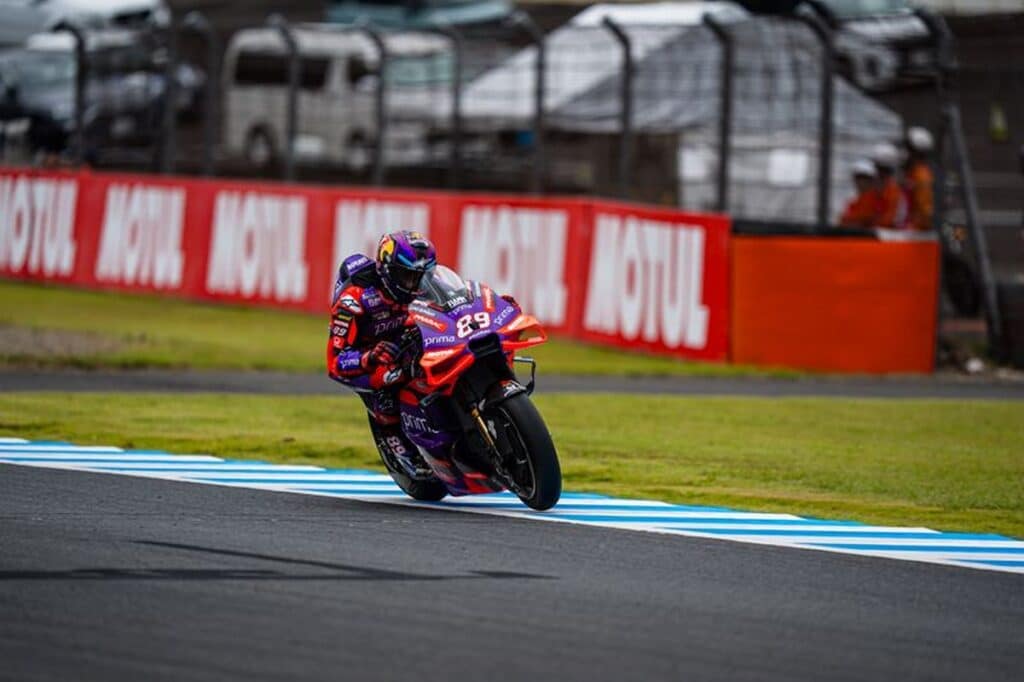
<point>726,112</point>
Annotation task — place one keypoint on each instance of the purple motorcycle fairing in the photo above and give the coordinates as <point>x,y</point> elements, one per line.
<point>448,309</point>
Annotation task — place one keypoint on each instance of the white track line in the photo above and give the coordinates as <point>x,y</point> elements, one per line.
<point>105,458</point>
<point>196,468</point>
<point>8,447</point>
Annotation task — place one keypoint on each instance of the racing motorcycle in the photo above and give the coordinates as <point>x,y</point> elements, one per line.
<point>463,406</point>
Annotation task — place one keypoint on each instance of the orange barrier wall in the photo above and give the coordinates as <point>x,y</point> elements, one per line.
<point>841,305</point>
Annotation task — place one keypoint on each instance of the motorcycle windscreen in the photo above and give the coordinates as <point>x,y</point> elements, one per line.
<point>444,288</point>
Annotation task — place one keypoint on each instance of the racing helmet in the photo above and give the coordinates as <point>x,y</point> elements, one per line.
<point>403,258</point>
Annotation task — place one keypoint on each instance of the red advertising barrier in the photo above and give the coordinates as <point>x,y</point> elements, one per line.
<point>612,273</point>
<point>264,244</point>
<point>656,279</point>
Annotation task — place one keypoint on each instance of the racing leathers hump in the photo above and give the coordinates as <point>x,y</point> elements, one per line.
<point>361,317</point>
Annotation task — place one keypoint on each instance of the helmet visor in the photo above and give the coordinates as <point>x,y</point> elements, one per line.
<point>407,279</point>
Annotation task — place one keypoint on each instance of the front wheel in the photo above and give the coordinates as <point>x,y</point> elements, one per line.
<point>533,465</point>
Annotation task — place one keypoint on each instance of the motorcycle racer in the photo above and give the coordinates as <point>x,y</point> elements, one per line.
<point>369,312</point>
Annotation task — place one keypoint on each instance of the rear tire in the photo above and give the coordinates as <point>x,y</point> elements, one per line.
<point>529,429</point>
<point>424,491</point>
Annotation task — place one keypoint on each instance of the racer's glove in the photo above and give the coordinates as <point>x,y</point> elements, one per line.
<point>508,298</point>
<point>384,353</point>
<point>385,376</point>
<point>394,375</point>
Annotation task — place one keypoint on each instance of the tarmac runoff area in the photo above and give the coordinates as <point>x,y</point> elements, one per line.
<point>124,577</point>
<point>947,386</point>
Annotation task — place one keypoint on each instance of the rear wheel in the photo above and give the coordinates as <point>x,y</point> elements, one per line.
<point>425,490</point>
<point>534,464</point>
<point>430,490</point>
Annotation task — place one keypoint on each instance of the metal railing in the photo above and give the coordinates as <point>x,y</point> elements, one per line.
<point>532,151</point>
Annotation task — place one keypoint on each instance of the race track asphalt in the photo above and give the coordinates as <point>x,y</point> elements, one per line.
<point>193,381</point>
<point>113,578</point>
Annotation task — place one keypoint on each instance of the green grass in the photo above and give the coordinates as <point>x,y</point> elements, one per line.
<point>942,464</point>
<point>131,331</point>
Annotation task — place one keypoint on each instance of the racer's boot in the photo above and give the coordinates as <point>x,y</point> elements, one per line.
<point>398,452</point>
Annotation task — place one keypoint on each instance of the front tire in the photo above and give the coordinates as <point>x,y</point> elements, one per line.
<point>540,476</point>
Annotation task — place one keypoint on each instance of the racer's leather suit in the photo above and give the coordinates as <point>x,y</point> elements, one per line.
<point>362,315</point>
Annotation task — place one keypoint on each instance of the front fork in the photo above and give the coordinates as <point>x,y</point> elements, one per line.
<point>490,384</point>
<point>498,450</point>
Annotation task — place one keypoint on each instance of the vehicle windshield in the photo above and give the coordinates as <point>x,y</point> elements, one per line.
<point>32,70</point>
<point>420,70</point>
<point>444,288</point>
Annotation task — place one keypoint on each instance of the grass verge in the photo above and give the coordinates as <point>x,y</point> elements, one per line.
<point>57,327</point>
<point>945,465</point>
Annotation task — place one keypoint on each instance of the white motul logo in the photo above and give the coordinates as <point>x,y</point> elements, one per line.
<point>520,251</point>
<point>647,276</point>
<point>359,224</point>
<point>141,242</point>
<point>37,225</point>
<point>258,247</point>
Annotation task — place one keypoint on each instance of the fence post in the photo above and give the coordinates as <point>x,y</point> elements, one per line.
<point>278,22</point>
<point>379,152</point>
<point>824,35</point>
<point>626,110</point>
<point>523,21</point>
<point>725,116</point>
<point>81,78</point>
<point>455,152</point>
<point>952,125</point>
<point>195,21</point>
<point>169,120</point>
<point>943,64</point>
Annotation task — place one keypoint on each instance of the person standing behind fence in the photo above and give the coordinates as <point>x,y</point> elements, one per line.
<point>892,205</point>
<point>862,210</point>
<point>918,180</point>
